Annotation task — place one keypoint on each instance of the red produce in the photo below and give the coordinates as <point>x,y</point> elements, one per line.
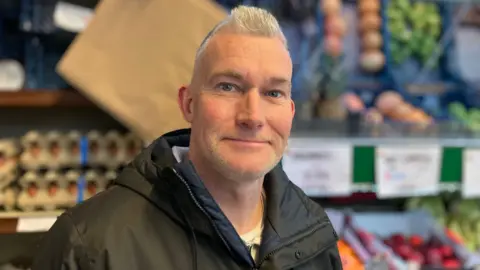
<point>389,242</point>
<point>434,257</point>
<point>417,257</point>
<point>403,250</point>
<point>431,252</point>
<point>398,239</point>
<point>416,240</point>
<point>364,236</point>
<point>446,251</point>
<point>452,264</point>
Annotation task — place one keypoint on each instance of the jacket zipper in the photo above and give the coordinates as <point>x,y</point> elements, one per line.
<point>190,192</point>
<point>291,241</point>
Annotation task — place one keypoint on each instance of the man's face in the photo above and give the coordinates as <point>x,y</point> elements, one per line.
<point>240,106</point>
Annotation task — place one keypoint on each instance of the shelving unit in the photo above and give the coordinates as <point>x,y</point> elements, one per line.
<point>44,98</point>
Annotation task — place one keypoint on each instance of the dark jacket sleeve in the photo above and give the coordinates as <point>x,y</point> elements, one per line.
<point>61,248</point>
<point>335,258</point>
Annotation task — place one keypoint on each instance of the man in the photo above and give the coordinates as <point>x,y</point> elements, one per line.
<point>214,196</point>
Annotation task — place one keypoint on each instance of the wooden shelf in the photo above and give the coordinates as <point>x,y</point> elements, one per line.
<point>44,98</point>
<point>24,222</point>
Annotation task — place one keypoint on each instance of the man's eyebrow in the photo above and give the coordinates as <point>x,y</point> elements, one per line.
<point>279,80</point>
<point>227,73</point>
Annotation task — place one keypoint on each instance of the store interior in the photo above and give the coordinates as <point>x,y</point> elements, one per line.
<point>385,137</point>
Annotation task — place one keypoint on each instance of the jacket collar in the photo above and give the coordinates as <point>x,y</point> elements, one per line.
<point>169,182</point>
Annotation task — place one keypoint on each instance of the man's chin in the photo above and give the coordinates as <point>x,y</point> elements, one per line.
<point>245,171</point>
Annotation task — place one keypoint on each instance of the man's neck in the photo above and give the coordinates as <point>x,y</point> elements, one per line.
<point>242,205</point>
<point>241,202</point>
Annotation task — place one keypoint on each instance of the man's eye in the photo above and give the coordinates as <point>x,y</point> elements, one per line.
<point>274,94</point>
<point>226,87</point>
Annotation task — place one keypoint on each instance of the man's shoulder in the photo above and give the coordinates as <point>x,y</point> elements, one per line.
<point>108,212</point>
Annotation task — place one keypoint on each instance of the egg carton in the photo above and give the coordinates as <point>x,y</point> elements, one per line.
<point>32,178</point>
<point>134,145</point>
<point>6,179</point>
<point>57,150</point>
<point>9,149</point>
<point>110,177</point>
<point>52,150</point>
<point>73,146</point>
<point>34,155</point>
<point>115,149</point>
<point>8,198</point>
<point>96,149</point>
<point>47,199</point>
<point>95,182</point>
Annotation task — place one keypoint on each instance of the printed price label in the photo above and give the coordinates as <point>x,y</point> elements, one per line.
<point>471,173</point>
<point>320,169</point>
<point>403,171</point>
<point>35,224</point>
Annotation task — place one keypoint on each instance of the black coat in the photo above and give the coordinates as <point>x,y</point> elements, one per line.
<point>158,215</point>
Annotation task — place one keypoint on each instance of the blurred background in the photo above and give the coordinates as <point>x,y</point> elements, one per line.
<point>385,138</point>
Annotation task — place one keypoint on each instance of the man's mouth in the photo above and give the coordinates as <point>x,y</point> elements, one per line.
<point>248,141</point>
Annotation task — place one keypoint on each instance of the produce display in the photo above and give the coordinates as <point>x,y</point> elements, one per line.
<point>470,118</point>
<point>415,29</point>
<point>350,261</point>
<point>392,105</point>
<point>375,248</point>
<point>460,216</point>
<point>389,105</point>
<point>425,252</point>
<point>402,239</point>
<point>335,27</point>
<point>372,58</point>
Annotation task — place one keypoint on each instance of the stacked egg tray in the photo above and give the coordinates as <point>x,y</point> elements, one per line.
<point>54,170</point>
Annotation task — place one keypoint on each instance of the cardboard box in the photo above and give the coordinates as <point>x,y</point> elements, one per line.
<point>134,55</point>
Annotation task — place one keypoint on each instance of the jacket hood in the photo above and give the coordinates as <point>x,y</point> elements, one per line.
<point>154,168</point>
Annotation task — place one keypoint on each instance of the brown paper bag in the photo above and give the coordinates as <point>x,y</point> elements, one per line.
<point>135,54</point>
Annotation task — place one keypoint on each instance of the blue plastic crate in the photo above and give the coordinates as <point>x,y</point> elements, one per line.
<point>36,16</point>
<point>10,41</point>
<point>9,9</point>
<point>41,57</point>
<point>467,50</point>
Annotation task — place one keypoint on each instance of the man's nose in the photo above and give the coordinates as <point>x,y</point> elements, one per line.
<point>250,112</point>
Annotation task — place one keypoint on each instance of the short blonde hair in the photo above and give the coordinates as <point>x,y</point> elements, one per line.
<point>247,20</point>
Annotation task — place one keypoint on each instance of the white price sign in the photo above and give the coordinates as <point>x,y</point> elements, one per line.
<point>35,224</point>
<point>318,168</point>
<point>403,171</point>
<point>471,173</point>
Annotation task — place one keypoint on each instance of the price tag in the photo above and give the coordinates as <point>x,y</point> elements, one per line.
<point>320,169</point>
<point>471,173</point>
<point>35,224</point>
<point>403,171</point>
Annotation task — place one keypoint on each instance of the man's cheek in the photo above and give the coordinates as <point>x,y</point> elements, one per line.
<point>217,113</point>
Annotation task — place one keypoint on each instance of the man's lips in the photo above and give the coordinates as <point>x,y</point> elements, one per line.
<point>248,141</point>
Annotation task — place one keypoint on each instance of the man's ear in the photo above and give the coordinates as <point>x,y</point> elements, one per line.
<point>293,108</point>
<point>185,103</point>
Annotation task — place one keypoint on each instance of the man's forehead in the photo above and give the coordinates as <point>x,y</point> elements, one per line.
<point>246,49</point>
<point>227,43</point>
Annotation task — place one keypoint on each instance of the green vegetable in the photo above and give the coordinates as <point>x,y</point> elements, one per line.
<point>416,25</point>
<point>399,52</point>
<point>394,15</point>
<point>459,111</point>
<point>403,5</point>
